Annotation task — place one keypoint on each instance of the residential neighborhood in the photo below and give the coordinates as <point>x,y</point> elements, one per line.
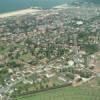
<point>52,48</point>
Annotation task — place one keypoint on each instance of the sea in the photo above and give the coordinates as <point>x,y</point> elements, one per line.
<point>13,5</point>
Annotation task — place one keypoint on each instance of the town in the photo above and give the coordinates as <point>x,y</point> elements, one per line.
<point>52,48</point>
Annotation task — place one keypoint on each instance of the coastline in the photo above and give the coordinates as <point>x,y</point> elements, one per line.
<point>29,11</point>
<point>61,6</point>
<point>19,12</point>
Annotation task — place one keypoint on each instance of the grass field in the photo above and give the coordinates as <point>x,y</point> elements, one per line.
<point>67,93</point>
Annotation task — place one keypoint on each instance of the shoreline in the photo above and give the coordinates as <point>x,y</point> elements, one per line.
<point>29,11</point>
<point>19,12</point>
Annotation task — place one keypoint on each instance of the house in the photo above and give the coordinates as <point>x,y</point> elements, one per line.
<point>62,78</point>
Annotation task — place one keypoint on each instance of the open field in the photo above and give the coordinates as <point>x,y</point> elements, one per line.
<point>68,93</point>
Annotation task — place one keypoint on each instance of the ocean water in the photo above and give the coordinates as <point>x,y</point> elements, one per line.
<point>13,5</point>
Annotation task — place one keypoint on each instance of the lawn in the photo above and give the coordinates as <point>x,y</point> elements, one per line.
<point>67,93</point>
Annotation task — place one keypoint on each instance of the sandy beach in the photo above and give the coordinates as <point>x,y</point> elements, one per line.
<point>64,6</point>
<point>61,6</point>
<point>19,12</point>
